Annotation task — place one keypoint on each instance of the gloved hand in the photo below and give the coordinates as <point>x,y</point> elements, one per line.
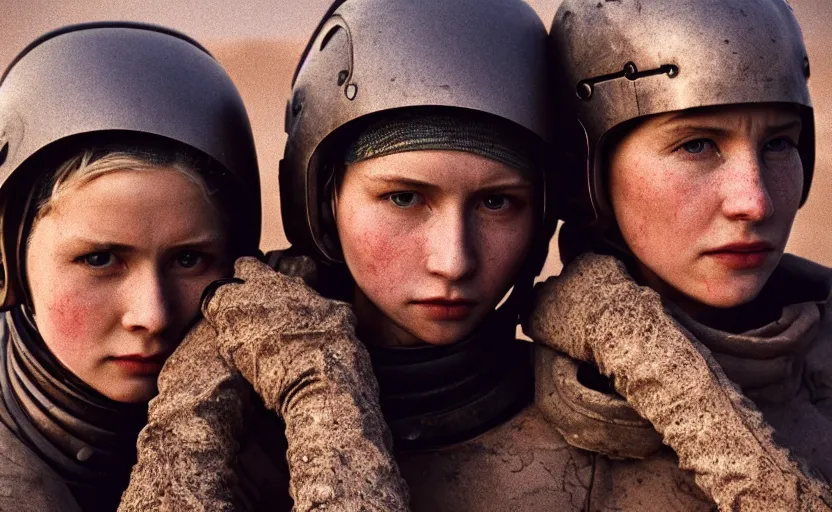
<point>595,312</point>
<point>187,450</point>
<point>299,352</point>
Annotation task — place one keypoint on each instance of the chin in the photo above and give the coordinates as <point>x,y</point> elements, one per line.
<point>131,393</point>
<point>441,334</point>
<point>731,292</point>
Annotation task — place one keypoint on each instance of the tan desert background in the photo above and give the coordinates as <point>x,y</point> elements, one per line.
<point>259,42</point>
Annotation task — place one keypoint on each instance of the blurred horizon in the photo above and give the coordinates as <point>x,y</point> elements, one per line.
<point>259,43</point>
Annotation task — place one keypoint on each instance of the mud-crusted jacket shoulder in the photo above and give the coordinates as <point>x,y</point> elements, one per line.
<point>810,277</point>
<point>594,311</point>
<point>27,484</point>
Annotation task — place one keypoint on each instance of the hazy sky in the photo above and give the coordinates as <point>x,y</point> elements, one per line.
<point>207,20</point>
<point>23,20</point>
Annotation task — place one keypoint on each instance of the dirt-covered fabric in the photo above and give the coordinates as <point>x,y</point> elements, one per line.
<point>27,484</point>
<point>188,448</point>
<point>595,312</point>
<point>299,352</point>
<point>526,464</point>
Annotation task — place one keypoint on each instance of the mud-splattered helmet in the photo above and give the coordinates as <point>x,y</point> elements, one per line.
<point>620,60</point>
<point>372,56</point>
<point>114,81</point>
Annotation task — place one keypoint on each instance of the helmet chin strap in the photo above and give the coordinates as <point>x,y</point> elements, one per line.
<point>28,222</point>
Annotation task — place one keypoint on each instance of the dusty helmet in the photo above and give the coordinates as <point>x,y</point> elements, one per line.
<point>115,78</point>
<point>370,56</point>
<point>624,59</point>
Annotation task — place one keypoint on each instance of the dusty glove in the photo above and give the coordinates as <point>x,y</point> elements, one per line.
<point>299,352</point>
<point>596,313</point>
<point>187,450</point>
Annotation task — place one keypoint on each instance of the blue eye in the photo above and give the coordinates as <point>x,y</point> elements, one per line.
<point>99,259</point>
<point>495,202</point>
<point>189,259</point>
<point>696,147</point>
<point>778,144</point>
<point>404,199</point>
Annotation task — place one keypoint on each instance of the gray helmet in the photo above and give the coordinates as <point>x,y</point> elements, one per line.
<point>370,56</point>
<point>624,59</point>
<point>118,79</point>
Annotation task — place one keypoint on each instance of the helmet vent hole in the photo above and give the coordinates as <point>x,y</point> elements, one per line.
<point>351,91</point>
<point>342,77</point>
<point>329,35</point>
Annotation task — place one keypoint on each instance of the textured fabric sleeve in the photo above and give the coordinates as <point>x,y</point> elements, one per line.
<point>595,312</point>
<point>27,484</point>
<point>187,450</point>
<point>300,353</point>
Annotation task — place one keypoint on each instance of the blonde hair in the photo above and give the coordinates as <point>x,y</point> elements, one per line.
<point>90,165</point>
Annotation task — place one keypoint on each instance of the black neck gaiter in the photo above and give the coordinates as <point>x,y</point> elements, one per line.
<point>86,438</point>
<point>435,396</point>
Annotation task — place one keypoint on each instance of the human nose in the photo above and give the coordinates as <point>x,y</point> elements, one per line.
<point>147,305</point>
<point>449,250</point>
<point>745,193</point>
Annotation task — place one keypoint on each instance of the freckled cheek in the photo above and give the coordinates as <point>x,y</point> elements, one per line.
<point>379,254</point>
<point>503,249</point>
<point>74,325</point>
<point>658,219</point>
<point>183,297</point>
<point>785,187</point>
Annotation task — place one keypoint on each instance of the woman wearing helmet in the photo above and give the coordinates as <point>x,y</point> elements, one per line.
<point>119,208</point>
<point>413,186</point>
<point>699,152</point>
<point>406,191</point>
<point>128,184</point>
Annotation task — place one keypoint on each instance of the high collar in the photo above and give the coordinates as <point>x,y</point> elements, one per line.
<point>766,362</point>
<point>766,356</point>
<point>434,396</point>
<point>86,438</point>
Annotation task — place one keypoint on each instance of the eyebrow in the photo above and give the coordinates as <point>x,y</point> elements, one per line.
<point>785,127</point>
<point>417,184</point>
<point>408,182</point>
<point>687,121</point>
<point>98,245</point>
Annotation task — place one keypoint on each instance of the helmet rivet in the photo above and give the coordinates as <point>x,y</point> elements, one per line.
<point>342,77</point>
<point>673,71</point>
<point>584,90</point>
<point>84,454</point>
<point>630,71</point>
<point>297,104</point>
<point>351,91</point>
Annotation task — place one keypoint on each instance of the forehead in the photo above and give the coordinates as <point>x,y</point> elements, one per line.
<point>140,208</point>
<point>441,168</point>
<point>760,113</point>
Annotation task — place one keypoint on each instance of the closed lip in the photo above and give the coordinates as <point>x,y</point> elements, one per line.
<point>140,364</point>
<point>743,247</point>
<point>742,256</point>
<point>440,309</point>
<point>441,301</point>
<point>139,358</point>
